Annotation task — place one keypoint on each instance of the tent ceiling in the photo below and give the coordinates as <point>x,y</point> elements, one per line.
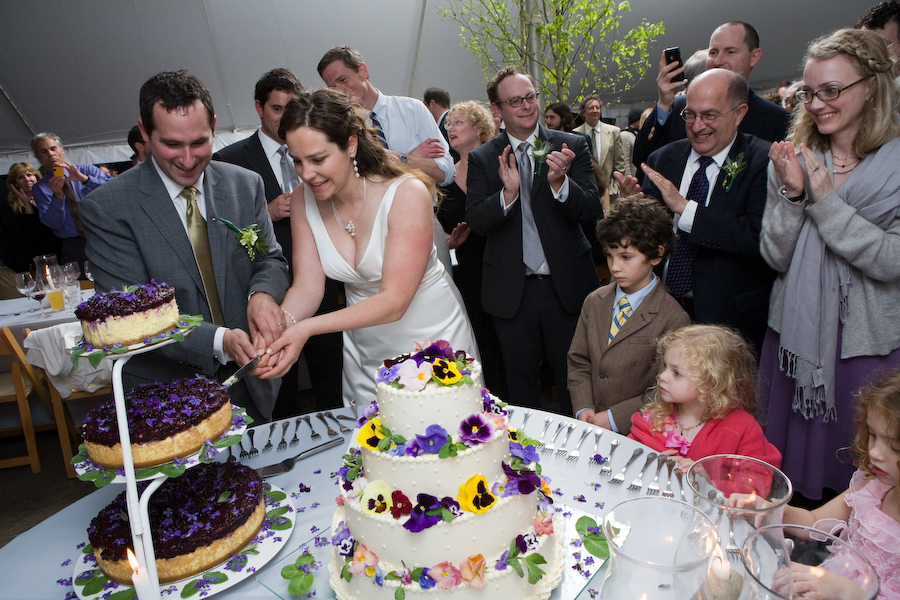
<point>75,68</point>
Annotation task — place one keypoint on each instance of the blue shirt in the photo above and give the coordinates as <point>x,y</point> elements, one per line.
<point>53,211</point>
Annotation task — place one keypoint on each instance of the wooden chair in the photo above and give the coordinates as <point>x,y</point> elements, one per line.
<point>16,386</point>
<point>69,432</point>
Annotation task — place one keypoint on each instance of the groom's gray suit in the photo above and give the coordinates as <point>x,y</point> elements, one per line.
<point>134,234</point>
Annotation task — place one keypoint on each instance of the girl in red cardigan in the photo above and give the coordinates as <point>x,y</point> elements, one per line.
<point>704,399</point>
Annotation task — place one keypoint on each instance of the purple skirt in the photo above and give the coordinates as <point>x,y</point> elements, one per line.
<point>816,455</point>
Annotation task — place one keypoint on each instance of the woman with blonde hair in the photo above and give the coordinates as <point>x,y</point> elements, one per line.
<point>831,229</point>
<point>35,238</point>
<point>363,218</point>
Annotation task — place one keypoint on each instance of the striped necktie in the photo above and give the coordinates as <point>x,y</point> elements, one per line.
<point>377,124</point>
<point>679,276</point>
<point>200,243</point>
<point>622,315</point>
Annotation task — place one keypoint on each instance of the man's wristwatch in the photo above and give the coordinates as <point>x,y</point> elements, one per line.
<point>403,158</point>
<point>795,199</point>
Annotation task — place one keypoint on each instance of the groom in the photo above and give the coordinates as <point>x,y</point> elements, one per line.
<point>146,226</point>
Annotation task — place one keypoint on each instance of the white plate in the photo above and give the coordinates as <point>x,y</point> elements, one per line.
<point>88,471</point>
<point>141,347</point>
<point>266,545</point>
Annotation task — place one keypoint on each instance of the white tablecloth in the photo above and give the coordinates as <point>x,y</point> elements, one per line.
<point>33,564</point>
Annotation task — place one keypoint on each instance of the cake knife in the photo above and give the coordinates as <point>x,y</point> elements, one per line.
<point>288,463</point>
<point>242,371</point>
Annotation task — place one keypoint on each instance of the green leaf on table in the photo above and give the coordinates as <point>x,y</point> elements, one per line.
<point>96,584</point>
<point>534,571</point>
<point>300,584</point>
<point>171,469</point>
<point>280,525</point>
<point>276,512</point>
<point>275,495</point>
<point>582,524</point>
<point>595,543</point>
<point>126,594</point>
<point>226,442</point>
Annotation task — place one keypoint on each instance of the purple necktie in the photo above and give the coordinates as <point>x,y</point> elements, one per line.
<point>681,265</point>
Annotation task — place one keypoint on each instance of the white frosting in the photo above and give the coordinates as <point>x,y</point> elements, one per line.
<point>428,474</point>
<point>409,413</point>
<point>500,584</point>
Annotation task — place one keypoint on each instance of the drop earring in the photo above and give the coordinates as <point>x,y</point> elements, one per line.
<point>356,167</point>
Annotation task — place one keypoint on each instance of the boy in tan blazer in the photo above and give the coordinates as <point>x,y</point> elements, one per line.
<point>611,359</point>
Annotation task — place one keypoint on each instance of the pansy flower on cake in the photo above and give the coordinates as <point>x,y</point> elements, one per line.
<point>435,362</point>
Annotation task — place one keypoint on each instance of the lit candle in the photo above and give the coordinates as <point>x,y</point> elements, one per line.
<point>140,579</point>
<point>721,568</point>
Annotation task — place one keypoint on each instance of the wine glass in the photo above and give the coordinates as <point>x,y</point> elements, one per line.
<point>87,270</point>
<point>71,271</point>
<point>72,288</point>
<point>38,293</point>
<point>25,285</point>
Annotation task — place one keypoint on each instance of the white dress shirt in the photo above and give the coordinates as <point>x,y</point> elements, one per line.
<point>271,147</point>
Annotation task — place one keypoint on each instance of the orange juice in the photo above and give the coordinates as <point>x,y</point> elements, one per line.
<point>56,299</point>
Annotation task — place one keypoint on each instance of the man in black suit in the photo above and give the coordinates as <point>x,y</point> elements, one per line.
<point>437,101</point>
<point>729,282</point>
<point>266,153</point>
<point>733,46</point>
<point>537,261</point>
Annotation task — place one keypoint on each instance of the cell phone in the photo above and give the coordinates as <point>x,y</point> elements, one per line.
<point>673,55</point>
<point>59,172</point>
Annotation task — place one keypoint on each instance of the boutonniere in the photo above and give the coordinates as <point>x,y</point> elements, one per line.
<point>249,238</point>
<point>541,151</point>
<point>732,169</point>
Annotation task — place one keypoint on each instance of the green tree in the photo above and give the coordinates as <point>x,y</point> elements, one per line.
<point>563,39</point>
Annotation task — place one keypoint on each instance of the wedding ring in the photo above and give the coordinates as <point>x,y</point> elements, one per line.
<point>815,168</point>
<point>281,324</point>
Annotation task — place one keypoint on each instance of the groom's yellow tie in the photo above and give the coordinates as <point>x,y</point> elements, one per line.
<point>200,243</point>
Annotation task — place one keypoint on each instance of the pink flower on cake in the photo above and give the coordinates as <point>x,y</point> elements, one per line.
<point>544,527</point>
<point>472,571</point>
<point>339,500</point>
<point>499,421</point>
<point>362,558</point>
<point>445,575</point>
<point>414,377</point>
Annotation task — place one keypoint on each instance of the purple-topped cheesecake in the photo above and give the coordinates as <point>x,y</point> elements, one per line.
<point>164,421</point>
<point>197,520</point>
<point>128,316</point>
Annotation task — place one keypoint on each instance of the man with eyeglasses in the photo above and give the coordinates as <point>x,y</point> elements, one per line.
<point>733,46</point>
<point>715,183</point>
<point>537,261</point>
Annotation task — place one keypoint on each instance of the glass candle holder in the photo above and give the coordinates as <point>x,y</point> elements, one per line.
<point>790,561</point>
<point>659,549</point>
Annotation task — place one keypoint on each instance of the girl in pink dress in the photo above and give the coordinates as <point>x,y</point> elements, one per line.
<point>867,515</point>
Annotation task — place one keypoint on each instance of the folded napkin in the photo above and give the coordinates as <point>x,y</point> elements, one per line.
<point>46,348</point>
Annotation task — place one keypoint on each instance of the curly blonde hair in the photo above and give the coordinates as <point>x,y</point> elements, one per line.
<point>719,361</point>
<point>869,55</point>
<point>478,116</point>
<point>884,399</point>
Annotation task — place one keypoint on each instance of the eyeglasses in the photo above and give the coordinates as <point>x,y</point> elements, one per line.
<point>708,118</point>
<point>826,94</point>
<point>516,101</point>
<point>456,123</point>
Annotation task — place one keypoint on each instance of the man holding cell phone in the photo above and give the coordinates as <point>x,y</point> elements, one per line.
<point>733,46</point>
<point>59,191</point>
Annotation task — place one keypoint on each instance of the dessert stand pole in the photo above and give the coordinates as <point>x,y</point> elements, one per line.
<point>138,516</point>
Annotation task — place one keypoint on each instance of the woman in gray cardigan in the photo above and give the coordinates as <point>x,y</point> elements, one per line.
<point>831,229</point>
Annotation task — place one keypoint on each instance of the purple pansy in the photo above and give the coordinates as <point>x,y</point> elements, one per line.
<point>527,453</point>
<point>419,519</point>
<point>475,429</point>
<point>425,581</point>
<point>451,505</point>
<point>521,544</point>
<point>369,412</point>
<point>434,439</point>
<point>387,374</point>
<point>523,482</point>
<point>501,564</point>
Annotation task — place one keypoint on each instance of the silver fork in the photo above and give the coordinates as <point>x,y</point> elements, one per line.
<point>282,445</point>
<point>271,431</point>
<point>295,440</point>
<point>253,451</point>
<point>606,469</point>
<point>331,432</point>
<point>597,435</point>
<point>679,475</point>
<point>244,454</point>
<point>562,447</point>
<point>577,453</point>
<point>621,476</point>
<point>525,420</point>
<point>668,493</point>
<point>732,549</point>
<point>550,447</point>
<point>312,431</point>
<point>547,422</point>
<point>638,483</point>
<point>653,488</point>
<point>341,426</point>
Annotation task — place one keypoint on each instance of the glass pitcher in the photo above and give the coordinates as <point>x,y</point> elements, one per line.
<point>659,549</point>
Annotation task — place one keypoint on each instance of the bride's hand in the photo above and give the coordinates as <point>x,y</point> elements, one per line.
<point>284,351</point>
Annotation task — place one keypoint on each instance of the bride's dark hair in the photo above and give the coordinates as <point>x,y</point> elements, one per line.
<point>336,116</point>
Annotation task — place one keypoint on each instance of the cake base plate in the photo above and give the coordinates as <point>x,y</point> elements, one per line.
<point>90,583</point>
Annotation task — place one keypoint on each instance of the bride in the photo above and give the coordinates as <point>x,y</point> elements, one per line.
<point>364,219</point>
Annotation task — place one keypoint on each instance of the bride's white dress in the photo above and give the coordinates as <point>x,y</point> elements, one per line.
<point>436,311</point>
